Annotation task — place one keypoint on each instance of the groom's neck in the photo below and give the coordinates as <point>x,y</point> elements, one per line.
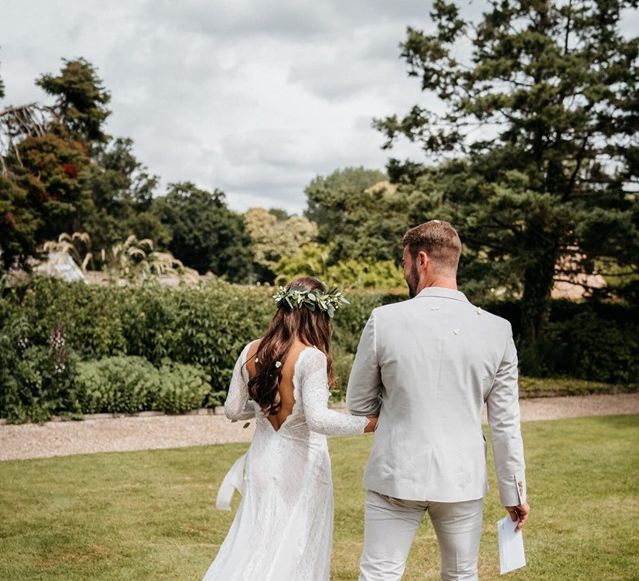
<point>439,282</point>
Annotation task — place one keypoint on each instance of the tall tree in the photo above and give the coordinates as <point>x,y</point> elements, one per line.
<point>18,224</point>
<point>205,233</point>
<point>539,127</point>
<point>328,196</point>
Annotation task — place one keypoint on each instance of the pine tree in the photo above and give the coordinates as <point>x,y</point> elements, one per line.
<point>537,138</point>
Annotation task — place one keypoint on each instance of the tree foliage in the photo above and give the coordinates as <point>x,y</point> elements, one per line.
<point>45,193</point>
<point>205,234</point>
<point>539,137</point>
<point>122,192</point>
<point>313,260</point>
<point>358,213</point>
<point>18,223</point>
<point>46,163</point>
<point>276,236</point>
<point>80,100</point>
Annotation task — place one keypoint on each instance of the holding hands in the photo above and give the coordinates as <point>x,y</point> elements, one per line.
<point>372,425</point>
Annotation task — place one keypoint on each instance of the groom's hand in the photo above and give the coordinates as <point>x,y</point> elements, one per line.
<point>519,513</point>
<point>372,424</point>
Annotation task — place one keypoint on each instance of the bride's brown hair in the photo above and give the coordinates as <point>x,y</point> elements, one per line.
<point>310,327</point>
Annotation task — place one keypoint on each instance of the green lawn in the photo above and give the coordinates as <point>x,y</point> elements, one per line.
<point>150,515</point>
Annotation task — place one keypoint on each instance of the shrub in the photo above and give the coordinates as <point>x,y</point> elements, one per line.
<point>586,346</point>
<point>566,386</point>
<point>120,384</point>
<point>90,315</point>
<point>182,388</point>
<point>131,384</point>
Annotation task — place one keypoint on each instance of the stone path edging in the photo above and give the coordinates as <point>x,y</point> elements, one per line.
<point>154,430</point>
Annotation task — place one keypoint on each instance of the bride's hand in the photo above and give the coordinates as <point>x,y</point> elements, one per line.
<point>372,424</point>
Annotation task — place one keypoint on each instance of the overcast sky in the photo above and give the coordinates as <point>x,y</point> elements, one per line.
<point>255,97</point>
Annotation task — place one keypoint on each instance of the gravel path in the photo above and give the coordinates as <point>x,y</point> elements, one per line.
<point>155,432</point>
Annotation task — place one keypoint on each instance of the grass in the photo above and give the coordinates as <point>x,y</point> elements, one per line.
<point>150,515</point>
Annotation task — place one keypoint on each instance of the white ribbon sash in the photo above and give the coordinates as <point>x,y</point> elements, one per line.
<point>234,480</point>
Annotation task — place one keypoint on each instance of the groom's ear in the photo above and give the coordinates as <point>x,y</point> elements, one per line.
<point>422,259</point>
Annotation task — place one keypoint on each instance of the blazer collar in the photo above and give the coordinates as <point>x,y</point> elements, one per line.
<point>443,293</point>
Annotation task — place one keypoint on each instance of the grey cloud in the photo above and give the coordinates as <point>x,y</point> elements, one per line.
<point>366,62</point>
<point>301,19</point>
<point>335,80</point>
<point>240,18</point>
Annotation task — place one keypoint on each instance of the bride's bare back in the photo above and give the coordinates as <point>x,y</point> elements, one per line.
<point>286,389</point>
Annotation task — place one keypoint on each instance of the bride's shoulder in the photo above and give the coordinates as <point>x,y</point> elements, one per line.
<point>314,358</point>
<point>250,349</point>
<point>315,351</point>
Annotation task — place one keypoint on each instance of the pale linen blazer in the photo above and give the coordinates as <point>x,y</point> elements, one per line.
<point>427,365</point>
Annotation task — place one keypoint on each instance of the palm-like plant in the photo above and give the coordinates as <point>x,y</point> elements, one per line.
<point>76,245</point>
<point>136,260</point>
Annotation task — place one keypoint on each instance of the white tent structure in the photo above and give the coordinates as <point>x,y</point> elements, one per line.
<point>61,265</point>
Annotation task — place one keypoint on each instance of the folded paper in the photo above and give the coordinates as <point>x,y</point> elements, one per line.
<point>511,546</point>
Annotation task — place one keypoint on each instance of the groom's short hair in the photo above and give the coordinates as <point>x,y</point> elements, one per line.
<point>439,240</point>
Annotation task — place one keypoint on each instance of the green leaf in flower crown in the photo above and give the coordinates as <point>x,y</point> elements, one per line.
<point>298,297</point>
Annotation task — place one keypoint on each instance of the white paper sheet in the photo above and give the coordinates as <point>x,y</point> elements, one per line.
<point>511,546</point>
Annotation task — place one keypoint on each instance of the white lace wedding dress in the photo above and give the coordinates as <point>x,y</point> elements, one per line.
<point>284,524</point>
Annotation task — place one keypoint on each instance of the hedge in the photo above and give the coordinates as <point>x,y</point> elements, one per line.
<point>55,335</point>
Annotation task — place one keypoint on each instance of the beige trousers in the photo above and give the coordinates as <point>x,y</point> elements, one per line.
<point>391,525</point>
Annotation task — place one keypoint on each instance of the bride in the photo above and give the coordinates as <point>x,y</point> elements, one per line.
<point>284,524</point>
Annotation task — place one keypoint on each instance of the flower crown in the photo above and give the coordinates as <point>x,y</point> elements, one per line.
<point>297,297</point>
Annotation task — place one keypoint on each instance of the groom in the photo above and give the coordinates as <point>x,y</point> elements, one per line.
<point>427,366</point>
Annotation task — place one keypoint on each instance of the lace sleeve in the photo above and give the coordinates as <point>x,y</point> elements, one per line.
<point>315,401</point>
<point>237,405</point>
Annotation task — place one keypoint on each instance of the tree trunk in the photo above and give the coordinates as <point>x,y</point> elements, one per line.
<point>535,304</point>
